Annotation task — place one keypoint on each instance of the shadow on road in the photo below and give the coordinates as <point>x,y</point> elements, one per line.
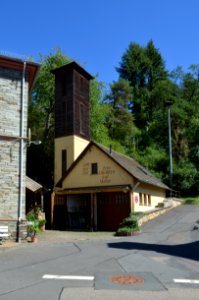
<point>190,251</point>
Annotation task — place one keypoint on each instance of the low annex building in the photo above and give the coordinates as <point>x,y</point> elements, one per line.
<point>95,187</point>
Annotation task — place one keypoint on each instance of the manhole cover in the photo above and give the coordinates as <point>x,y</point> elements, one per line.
<point>127,279</point>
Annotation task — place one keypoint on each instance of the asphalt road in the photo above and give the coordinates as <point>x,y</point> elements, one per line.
<point>160,263</point>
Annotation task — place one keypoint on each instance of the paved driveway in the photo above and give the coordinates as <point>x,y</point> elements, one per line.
<point>160,263</point>
<point>165,255</point>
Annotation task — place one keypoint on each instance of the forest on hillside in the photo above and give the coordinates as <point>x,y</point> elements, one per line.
<point>132,116</point>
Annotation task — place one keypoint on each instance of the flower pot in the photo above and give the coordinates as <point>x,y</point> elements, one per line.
<point>33,239</point>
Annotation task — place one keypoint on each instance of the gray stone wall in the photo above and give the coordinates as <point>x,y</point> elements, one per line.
<point>10,114</point>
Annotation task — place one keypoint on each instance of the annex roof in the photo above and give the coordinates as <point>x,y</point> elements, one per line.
<point>128,164</point>
<point>133,167</point>
<point>32,185</point>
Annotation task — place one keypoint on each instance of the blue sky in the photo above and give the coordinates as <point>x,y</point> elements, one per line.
<point>97,32</point>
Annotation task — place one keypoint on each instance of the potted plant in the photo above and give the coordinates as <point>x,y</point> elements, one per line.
<point>33,229</point>
<point>35,224</point>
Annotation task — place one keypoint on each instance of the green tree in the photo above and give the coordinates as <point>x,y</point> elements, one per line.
<point>120,122</point>
<point>40,159</point>
<point>152,87</point>
<point>42,100</point>
<point>156,160</point>
<point>143,67</point>
<point>190,92</point>
<point>186,177</point>
<point>98,113</point>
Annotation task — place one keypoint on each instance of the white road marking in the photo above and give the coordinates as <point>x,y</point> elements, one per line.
<point>191,281</point>
<point>68,277</point>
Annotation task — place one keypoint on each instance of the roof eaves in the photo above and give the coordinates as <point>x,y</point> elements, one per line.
<point>17,64</point>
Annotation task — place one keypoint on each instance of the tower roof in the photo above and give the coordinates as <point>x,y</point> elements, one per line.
<point>73,66</point>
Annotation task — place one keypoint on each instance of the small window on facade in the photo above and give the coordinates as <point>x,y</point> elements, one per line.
<point>94,168</point>
<point>64,116</point>
<point>140,199</point>
<point>81,85</point>
<point>149,200</point>
<point>63,86</point>
<point>81,117</point>
<point>64,161</point>
<point>145,199</point>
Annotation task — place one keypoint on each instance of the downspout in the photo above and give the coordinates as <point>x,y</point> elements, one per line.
<point>21,175</point>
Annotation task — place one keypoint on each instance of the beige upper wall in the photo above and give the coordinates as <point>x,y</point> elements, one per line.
<point>109,173</point>
<point>74,146</point>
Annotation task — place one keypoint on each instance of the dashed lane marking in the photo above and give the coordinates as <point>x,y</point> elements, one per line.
<point>190,281</point>
<point>67,277</point>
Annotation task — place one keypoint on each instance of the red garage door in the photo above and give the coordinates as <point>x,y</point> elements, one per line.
<point>112,208</point>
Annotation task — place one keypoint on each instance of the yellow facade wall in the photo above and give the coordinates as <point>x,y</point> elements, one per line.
<point>109,173</point>
<point>151,196</point>
<point>74,146</point>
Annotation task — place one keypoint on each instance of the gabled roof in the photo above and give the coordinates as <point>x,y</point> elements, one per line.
<point>128,164</point>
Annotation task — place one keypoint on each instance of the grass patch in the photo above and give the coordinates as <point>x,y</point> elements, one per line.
<point>191,200</point>
<point>100,233</point>
<point>126,229</point>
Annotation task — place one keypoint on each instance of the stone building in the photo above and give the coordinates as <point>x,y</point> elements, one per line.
<point>16,81</point>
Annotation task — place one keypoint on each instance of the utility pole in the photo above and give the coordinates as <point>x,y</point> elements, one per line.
<point>169,103</point>
<point>170,146</point>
